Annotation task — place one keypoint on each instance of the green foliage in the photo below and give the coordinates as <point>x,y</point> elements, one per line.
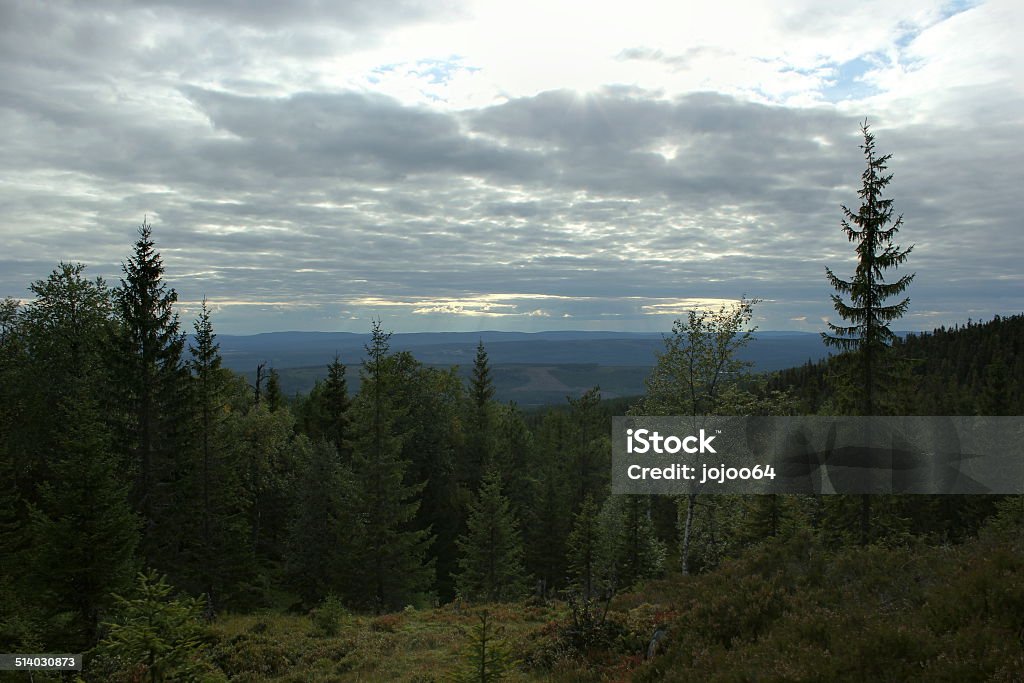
<point>391,568</point>
<point>329,617</point>
<point>323,526</point>
<point>324,413</point>
<point>789,611</point>
<point>480,433</point>
<point>272,391</point>
<point>490,565</point>
<point>699,371</point>
<point>583,552</point>
<point>628,550</point>
<point>487,656</point>
<point>152,386</point>
<point>216,547</point>
<point>155,636</point>
<point>870,370</point>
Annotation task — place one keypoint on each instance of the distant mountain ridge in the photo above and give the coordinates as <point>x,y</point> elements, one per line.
<point>531,368</point>
<point>768,350</point>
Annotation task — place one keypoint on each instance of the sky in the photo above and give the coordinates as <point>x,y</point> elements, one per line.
<point>495,165</point>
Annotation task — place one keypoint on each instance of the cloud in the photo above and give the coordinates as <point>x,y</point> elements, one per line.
<point>309,168</point>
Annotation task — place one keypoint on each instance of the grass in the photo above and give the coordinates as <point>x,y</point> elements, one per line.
<point>413,645</point>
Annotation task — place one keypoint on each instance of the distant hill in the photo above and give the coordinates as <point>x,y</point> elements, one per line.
<point>529,368</point>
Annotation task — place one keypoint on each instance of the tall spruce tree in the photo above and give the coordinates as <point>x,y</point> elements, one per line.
<point>872,229</point>
<point>154,384</point>
<point>323,415</point>
<point>391,562</point>
<point>584,550</point>
<point>272,392</point>
<point>323,527</point>
<point>491,562</point>
<point>82,533</point>
<point>480,422</point>
<point>867,335</point>
<point>217,548</point>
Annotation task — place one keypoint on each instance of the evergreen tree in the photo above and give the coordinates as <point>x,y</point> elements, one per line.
<point>487,657</point>
<point>155,637</point>
<point>584,550</point>
<point>322,528</point>
<point>591,450</point>
<point>153,384</point>
<point>548,513</point>
<point>323,414</point>
<point>83,532</point>
<point>429,404</point>
<point>391,557</point>
<point>867,334</point>
<point>272,392</point>
<point>216,547</point>
<point>336,403</point>
<point>491,563</point>
<point>80,535</point>
<point>480,423</point>
<point>266,453</point>
<point>628,550</point>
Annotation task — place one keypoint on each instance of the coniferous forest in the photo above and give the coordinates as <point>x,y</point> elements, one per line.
<point>175,522</point>
<point>172,521</point>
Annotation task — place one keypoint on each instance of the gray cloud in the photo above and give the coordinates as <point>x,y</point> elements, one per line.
<point>319,209</point>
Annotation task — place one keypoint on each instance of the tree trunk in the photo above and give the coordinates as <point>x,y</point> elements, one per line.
<point>684,562</point>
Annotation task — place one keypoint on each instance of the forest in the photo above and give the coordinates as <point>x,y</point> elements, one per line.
<point>175,522</point>
<point>172,521</point>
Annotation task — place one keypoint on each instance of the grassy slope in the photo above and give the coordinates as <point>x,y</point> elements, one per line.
<point>786,610</point>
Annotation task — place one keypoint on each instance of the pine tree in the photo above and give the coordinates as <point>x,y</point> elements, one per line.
<point>154,385</point>
<point>584,550</point>
<point>323,415</point>
<point>491,562</point>
<point>216,547</point>
<point>867,334</point>
<point>391,559</point>
<point>272,392</point>
<point>591,449</point>
<point>323,527</point>
<point>628,550</point>
<point>487,657</point>
<point>336,403</point>
<point>84,531</point>
<point>480,428</point>
<point>154,631</point>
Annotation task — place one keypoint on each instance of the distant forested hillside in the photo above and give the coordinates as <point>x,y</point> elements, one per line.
<point>971,369</point>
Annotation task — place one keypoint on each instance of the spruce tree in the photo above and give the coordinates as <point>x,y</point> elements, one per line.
<point>324,413</point>
<point>336,403</point>
<point>216,546</point>
<point>584,550</point>
<point>83,531</point>
<point>479,423</point>
<point>323,526</point>
<point>629,550</point>
<point>272,392</point>
<point>867,335</point>
<point>153,384</point>
<point>391,557</point>
<point>491,562</point>
<point>872,229</point>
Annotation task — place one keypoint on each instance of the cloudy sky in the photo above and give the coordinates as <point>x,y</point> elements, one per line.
<point>522,165</point>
